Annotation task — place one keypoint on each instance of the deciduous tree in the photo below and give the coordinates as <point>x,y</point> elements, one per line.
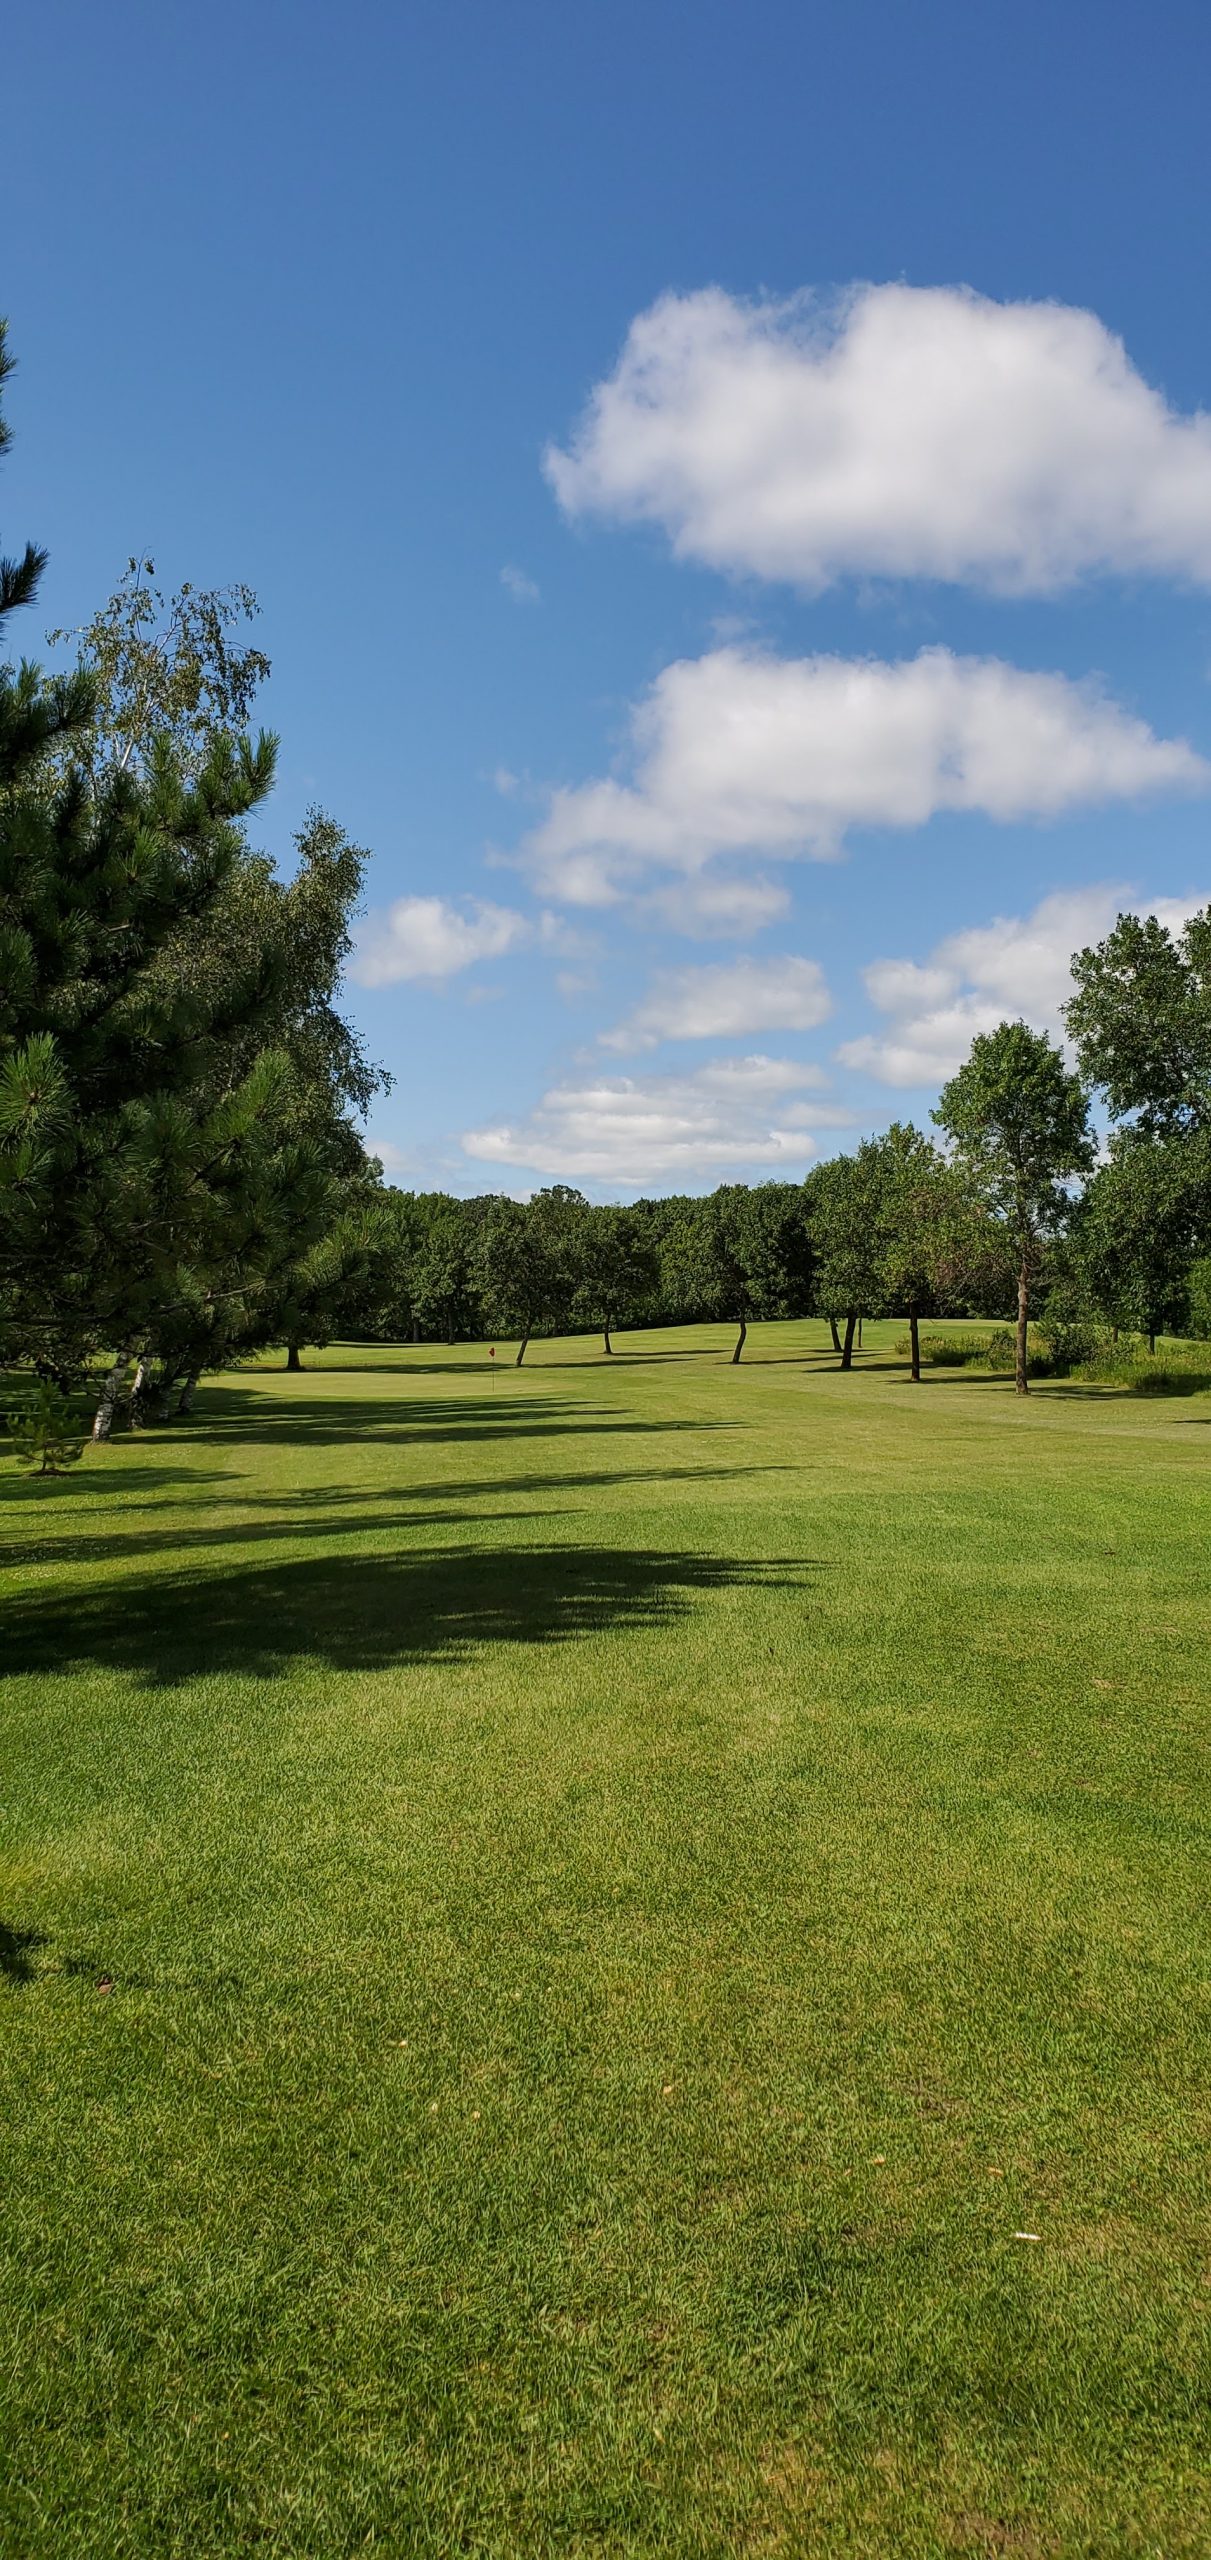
<point>1019,1121</point>
<point>532,1262</point>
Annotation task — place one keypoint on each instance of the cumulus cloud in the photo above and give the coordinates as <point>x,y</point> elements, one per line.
<point>732,1115</point>
<point>1015,967</point>
<point>429,938</point>
<point>732,1001</point>
<point>894,431</point>
<point>739,753</point>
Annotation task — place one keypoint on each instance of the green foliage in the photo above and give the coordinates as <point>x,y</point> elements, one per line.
<point>620,1268</point>
<point>1141,1021</point>
<point>1179,1369</point>
<point>180,1168</point>
<point>166,669</point>
<point>19,579</point>
<point>740,1252</point>
<point>1019,1120</point>
<point>1137,1229</point>
<point>45,1433</point>
<point>947,1350</point>
<point>1198,1298</point>
<point>848,1202</point>
<point>1000,1353</point>
<point>532,1262</point>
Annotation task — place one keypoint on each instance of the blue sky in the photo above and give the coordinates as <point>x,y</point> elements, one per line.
<point>854,662</point>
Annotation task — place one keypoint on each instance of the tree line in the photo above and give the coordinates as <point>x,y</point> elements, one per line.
<point>183,1181</point>
<point>1014,1212</point>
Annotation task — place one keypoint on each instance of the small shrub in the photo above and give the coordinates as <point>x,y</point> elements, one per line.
<point>1002,1354</point>
<point>45,1437</point>
<point>1175,1372</point>
<point>1069,1340</point>
<point>944,1350</point>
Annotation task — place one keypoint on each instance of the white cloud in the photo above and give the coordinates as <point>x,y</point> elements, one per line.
<point>521,588</point>
<point>713,905</point>
<point>894,431</point>
<point>1015,967</point>
<point>429,938</point>
<point>739,753</point>
<point>393,1159</point>
<point>729,1116</point>
<point>731,1001</point>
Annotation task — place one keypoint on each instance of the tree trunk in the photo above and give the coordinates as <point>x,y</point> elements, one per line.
<point>103,1419</point>
<point>188,1392</point>
<point>914,1336</point>
<point>605,1334</point>
<point>832,1326</point>
<point>521,1350</point>
<point>1152,1340</point>
<point>138,1389</point>
<point>859,1333</point>
<point>415,1333</point>
<point>292,1356</point>
<point>1021,1381</point>
<point>847,1353</point>
<point>164,1399</point>
<point>741,1341</point>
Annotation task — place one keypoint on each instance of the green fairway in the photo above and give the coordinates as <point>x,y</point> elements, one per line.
<point>559,1928</point>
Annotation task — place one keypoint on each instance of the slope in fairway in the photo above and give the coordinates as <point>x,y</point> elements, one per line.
<point>557,1933</point>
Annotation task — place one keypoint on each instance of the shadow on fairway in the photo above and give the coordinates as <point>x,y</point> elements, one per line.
<point>17,1950</point>
<point>364,1613</point>
<point>318,1512</point>
<point>116,1486</point>
<point>241,1413</point>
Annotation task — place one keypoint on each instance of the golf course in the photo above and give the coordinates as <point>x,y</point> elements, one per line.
<point>609,1957</point>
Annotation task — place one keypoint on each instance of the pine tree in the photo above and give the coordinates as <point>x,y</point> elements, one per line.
<point>176,1083</point>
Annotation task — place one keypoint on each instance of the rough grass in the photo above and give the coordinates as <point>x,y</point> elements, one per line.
<point>556,1933</point>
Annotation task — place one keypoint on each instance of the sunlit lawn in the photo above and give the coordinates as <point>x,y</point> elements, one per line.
<point>559,1931</point>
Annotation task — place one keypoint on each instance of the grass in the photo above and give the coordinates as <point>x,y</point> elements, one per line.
<point>556,1933</point>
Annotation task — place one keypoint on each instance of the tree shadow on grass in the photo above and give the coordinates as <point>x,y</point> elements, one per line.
<point>18,1948</point>
<point>319,1512</point>
<point>113,1484</point>
<point>366,1613</point>
<point>239,1413</point>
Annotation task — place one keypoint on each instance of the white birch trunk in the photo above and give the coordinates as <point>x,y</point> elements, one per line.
<point>103,1419</point>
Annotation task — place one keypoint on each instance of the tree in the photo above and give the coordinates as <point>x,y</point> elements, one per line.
<point>936,1247</point>
<point>740,1253</point>
<point>1141,1022</point>
<point>848,1211</point>
<point>44,1432</point>
<point>1019,1121</point>
<point>166,670</point>
<point>176,1083</point>
<point>532,1262</point>
<point>1138,1228</point>
<point>1198,1297</point>
<point>621,1268</point>
<point>445,1268</point>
